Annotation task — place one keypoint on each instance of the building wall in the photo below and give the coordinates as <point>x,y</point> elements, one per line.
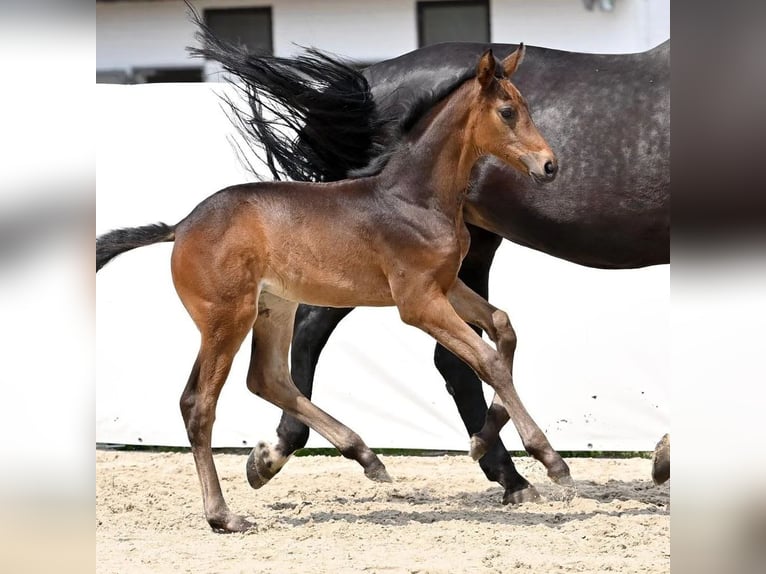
<point>155,34</point>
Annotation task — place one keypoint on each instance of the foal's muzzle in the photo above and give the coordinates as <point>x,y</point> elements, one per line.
<point>542,167</point>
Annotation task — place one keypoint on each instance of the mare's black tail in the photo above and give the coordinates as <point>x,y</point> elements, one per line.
<point>111,244</point>
<point>326,103</point>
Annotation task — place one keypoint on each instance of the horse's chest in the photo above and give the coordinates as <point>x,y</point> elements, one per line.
<point>439,253</point>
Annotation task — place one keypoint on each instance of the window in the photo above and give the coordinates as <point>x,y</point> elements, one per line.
<point>249,27</point>
<point>458,21</point>
<point>149,75</point>
<point>166,75</point>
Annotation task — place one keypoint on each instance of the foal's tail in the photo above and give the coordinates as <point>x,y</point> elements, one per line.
<point>111,244</point>
<point>325,103</point>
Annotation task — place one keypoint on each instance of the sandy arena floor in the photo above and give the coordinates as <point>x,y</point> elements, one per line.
<point>320,514</point>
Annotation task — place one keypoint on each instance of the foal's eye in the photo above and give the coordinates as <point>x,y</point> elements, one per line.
<point>507,113</point>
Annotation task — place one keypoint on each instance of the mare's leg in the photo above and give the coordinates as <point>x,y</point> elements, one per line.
<point>269,378</point>
<point>466,388</point>
<point>312,329</point>
<point>432,312</point>
<point>221,338</point>
<point>661,461</point>
<point>477,311</point>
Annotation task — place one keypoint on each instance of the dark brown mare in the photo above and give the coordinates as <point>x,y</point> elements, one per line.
<point>607,116</point>
<point>245,257</point>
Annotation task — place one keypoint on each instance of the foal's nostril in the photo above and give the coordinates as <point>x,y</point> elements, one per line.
<point>550,168</point>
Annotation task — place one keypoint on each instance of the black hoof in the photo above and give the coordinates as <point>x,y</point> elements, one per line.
<point>526,494</point>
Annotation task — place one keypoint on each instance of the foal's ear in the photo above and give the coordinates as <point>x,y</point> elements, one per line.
<point>512,62</point>
<point>485,71</point>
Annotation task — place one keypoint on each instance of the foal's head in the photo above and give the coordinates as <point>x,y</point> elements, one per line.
<point>500,124</point>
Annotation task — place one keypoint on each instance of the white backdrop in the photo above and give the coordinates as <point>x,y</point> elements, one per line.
<point>591,365</point>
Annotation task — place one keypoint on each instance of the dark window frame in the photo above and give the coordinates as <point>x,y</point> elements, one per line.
<point>149,74</point>
<point>423,4</point>
<point>241,10</point>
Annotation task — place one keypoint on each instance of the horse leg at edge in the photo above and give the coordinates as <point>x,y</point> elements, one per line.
<point>313,327</point>
<point>466,388</point>
<point>661,461</point>
<point>269,378</point>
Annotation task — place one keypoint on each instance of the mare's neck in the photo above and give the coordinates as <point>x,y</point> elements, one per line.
<point>435,164</point>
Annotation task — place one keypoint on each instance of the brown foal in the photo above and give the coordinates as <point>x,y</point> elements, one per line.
<point>246,256</point>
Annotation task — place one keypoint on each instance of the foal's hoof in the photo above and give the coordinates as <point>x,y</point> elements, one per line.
<point>562,477</point>
<point>526,494</point>
<point>479,447</point>
<point>261,465</point>
<point>564,480</point>
<point>378,473</point>
<point>661,461</point>
<point>560,474</point>
<point>230,522</point>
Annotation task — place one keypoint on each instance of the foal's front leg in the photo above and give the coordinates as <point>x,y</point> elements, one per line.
<point>433,313</point>
<point>477,311</point>
<point>467,389</point>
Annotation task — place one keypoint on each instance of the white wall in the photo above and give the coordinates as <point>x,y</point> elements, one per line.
<point>633,25</point>
<point>138,34</point>
<point>366,30</point>
<point>591,364</point>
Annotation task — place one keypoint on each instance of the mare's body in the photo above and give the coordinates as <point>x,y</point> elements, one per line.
<point>607,117</point>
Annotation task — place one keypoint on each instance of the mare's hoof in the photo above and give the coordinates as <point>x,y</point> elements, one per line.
<point>661,461</point>
<point>378,473</point>
<point>261,466</point>
<point>230,522</point>
<point>479,447</point>
<point>527,494</point>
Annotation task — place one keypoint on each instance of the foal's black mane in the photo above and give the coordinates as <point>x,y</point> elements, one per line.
<point>325,102</point>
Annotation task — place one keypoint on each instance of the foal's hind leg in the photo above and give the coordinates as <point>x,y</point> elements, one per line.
<point>198,403</point>
<point>269,378</point>
<point>222,301</point>
<point>312,328</point>
<point>432,312</point>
